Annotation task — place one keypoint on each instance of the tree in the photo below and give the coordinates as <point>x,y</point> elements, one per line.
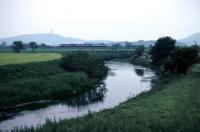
<point>161,50</point>
<point>17,46</point>
<point>139,50</point>
<point>181,59</point>
<point>85,62</point>
<point>128,44</point>
<point>116,46</point>
<point>33,46</point>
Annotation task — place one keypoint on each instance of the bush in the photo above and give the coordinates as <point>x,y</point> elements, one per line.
<point>24,83</point>
<point>181,59</point>
<point>161,50</point>
<point>139,50</point>
<point>85,62</point>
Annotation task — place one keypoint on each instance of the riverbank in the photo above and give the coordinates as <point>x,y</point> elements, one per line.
<point>172,106</point>
<point>27,79</point>
<point>122,76</point>
<point>24,83</point>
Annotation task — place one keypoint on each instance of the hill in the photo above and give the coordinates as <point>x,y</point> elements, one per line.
<point>48,38</point>
<point>190,40</point>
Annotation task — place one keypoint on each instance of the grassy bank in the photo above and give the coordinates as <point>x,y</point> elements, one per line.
<point>36,81</point>
<point>172,106</point>
<point>21,83</point>
<point>19,58</point>
<point>26,77</point>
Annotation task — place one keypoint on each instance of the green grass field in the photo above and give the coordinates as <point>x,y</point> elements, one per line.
<point>18,58</point>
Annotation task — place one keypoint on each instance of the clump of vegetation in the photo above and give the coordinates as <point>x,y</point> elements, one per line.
<point>170,59</point>
<point>33,46</point>
<point>161,50</point>
<point>113,54</point>
<point>139,50</point>
<point>181,59</point>
<point>85,62</point>
<point>37,81</point>
<point>47,80</point>
<point>17,46</point>
<point>140,57</point>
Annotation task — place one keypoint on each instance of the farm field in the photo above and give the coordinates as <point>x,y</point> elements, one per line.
<point>19,58</point>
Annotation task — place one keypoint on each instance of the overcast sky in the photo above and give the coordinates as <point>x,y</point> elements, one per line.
<point>101,19</point>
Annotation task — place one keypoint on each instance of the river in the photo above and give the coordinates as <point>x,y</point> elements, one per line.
<point>124,81</point>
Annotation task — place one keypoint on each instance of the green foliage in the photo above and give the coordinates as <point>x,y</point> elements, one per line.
<point>139,50</point>
<point>17,46</point>
<point>196,68</point>
<point>114,54</point>
<point>139,58</point>
<point>128,44</point>
<point>37,81</point>
<point>85,62</point>
<point>168,107</point>
<point>33,46</point>
<point>116,46</point>
<point>161,50</point>
<point>181,59</point>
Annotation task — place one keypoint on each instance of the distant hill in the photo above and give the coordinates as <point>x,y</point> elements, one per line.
<point>146,43</point>
<point>50,39</point>
<point>191,39</point>
<point>99,41</point>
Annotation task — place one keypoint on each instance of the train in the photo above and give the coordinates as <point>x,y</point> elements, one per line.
<point>83,45</point>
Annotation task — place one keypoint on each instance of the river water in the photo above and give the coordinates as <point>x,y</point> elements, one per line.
<point>124,81</point>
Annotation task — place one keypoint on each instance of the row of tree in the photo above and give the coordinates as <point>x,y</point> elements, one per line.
<point>17,46</point>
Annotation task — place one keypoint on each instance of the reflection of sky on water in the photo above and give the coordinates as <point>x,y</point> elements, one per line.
<point>122,82</point>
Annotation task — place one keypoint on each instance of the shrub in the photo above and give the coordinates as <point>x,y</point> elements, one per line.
<point>161,50</point>
<point>139,50</point>
<point>85,62</point>
<point>181,59</point>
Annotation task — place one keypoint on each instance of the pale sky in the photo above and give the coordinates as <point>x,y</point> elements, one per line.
<point>101,19</point>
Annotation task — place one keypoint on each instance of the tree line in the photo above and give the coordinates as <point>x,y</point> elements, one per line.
<point>17,46</point>
<point>166,57</point>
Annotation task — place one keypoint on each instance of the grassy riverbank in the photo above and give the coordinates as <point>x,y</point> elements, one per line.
<point>36,81</point>
<point>172,106</point>
<point>26,77</point>
<point>27,82</point>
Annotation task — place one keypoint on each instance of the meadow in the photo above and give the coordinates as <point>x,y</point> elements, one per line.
<point>16,58</point>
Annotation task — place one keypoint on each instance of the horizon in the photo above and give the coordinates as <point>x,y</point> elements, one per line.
<point>97,39</point>
<point>129,20</point>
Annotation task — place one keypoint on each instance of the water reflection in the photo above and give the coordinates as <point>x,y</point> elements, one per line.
<point>92,96</point>
<point>122,83</point>
<point>139,72</point>
<point>95,95</point>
